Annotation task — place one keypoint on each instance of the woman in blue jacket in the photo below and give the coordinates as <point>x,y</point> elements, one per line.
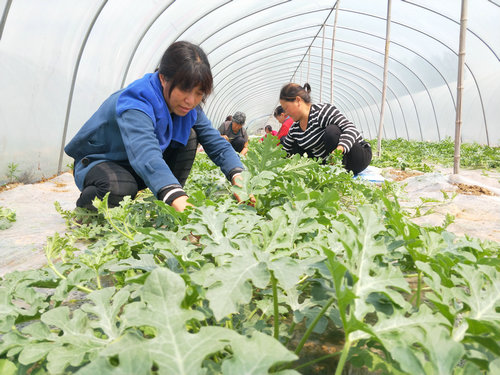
<point>146,134</point>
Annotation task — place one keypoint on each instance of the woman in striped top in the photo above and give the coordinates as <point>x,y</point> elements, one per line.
<point>320,129</point>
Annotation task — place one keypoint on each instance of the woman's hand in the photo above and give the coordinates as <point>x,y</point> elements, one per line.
<point>180,204</point>
<point>236,181</point>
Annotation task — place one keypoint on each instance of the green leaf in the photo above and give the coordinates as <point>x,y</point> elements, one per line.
<point>482,293</point>
<point>256,355</point>
<point>173,349</point>
<point>362,248</point>
<point>229,286</point>
<point>418,341</point>
<point>7,367</point>
<point>107,306</point>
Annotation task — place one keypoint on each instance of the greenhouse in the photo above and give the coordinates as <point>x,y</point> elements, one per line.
<point>157,216</point>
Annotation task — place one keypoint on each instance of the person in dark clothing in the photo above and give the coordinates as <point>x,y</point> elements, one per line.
<point>320,129</point>
<point>233,132</point>
<point>146,134</point>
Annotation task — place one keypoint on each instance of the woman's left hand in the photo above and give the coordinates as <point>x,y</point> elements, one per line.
<point>236,181</point>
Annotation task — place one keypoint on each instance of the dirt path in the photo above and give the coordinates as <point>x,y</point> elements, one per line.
<point>21,245</point>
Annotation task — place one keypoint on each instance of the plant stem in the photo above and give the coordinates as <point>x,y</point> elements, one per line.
<point>343,357</point>
<point>110,220</point>
<point>274,283</point>
<point>290,331</point>
<point>419,288</point>
<point>98,279</point>
<point>313,324</point>
<point>60,275</point>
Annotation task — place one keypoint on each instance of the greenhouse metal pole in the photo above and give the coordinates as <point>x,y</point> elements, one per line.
<point>333,48</point>
<point>308,65</point>
<point>384,85</point>
<point>322,63</point>
<point>460,86</point>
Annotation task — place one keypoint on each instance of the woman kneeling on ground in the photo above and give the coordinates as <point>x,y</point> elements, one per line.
<point>320,129</point>
<point>146,135</point>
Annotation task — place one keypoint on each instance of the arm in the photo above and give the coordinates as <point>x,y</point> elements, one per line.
<point>245,149</point>
<point>222,130</point>
<point>331,115</point>
<point>143,150</point>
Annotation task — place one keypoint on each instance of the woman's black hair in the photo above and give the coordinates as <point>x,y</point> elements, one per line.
<point>291,90</point>
<point>278,111</point>
<point>269,127</point>
<point>185,65</point>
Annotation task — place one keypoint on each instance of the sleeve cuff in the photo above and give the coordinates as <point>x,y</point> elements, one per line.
<point>233,172</point>
<point>170,193</point>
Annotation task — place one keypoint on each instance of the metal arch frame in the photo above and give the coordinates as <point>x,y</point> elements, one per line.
<point>388,104</point>
<point>5,14</point>
<point>211,103</point>
<point>261,25</point>
<point>73,82</point>
<point>447,47</point>
<point>225,105</point>
<point>368,93</point>
<point>458,23</point>
<point>136,47</point>
<point>224,87</point>
<point>96,16</point>
<point>425,59</point>
<point>370,74</point>
<point>355,109</point>
<point>413,73</point>
<point>425,87</point>
<point>271,37</point>
<point>397,79</point>
<point>139,41</point>
<point>221,99</point>
<point>419,79</point>
<point>228,92</point>
<point>260,59</point>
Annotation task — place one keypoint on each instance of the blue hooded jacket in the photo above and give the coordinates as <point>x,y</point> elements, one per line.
<point>134,126</point>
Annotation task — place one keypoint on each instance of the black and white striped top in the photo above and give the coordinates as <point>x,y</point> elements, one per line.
<point>310,140</point>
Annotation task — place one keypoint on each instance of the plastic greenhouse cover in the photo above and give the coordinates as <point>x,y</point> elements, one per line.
<point>61,59</point>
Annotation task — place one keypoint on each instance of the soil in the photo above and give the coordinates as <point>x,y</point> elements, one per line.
<point>400,175</point>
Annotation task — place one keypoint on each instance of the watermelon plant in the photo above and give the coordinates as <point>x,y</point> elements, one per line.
<point>228,288</point>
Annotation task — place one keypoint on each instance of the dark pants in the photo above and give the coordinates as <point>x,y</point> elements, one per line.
<point>120,179</point>
<point>358,157</point>
<point>238,144</point>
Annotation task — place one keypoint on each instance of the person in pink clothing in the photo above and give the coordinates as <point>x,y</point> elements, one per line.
<point>269,130</point>
<point>285,121</point>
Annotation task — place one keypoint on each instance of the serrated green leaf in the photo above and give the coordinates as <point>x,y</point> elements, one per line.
<point>173,349</point>
<point>229,285</point>
<point>256,355</point>
<point>107,306</point>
